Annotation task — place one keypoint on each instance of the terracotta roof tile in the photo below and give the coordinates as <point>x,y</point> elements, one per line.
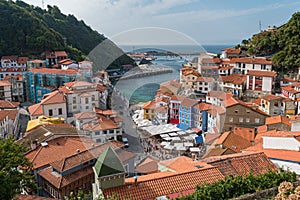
<point>236,79</point>
<point>85,115</point>
<point>54,71</point>
<point>60,181</point>
<point>5,83</point>
<point>53,98</point>
<point>4,104</point>
<point>147,166</point>
<point>271,97</point>
<point>58,149</point>
<point>262,73</point>
<point>184,164</point>
<point>251,60</point>
<point>149,105</point>
<point>233,141</point>
<point>91,152</point>
<point>11,114</point>
<point>171,183</point>
<point>177,98</point>
<point>246,133</point>
<point>35,109</point>
<point>187,102</point>
<point>203,106</point>
<point>241,163</point>
<point>278,119</point>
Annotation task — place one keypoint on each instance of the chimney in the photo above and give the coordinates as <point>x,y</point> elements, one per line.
<point>78,150</point>
<point>135,180</point>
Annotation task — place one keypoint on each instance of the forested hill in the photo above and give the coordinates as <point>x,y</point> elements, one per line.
<point>283,43</point>
<point>29,30</point>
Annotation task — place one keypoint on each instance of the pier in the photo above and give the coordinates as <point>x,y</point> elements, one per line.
<point>146,72</point>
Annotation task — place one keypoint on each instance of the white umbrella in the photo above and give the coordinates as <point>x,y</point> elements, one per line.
<point>164,143</point>
<point>175,138</point>
<point>188,144</point>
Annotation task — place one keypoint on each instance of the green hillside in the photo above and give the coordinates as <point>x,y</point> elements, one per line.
<point>283,43</point>
<point>30,30</point>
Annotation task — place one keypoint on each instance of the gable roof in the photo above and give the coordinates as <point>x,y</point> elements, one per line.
<point>169,183</point>
<point>108,164</point>
<point>148,165</point>
<point>278,119</point>
<point>4,104</point>
<point>53,98</point>
<point>241,163</point>
<point>10,114</point>
<point>57,149</point>
<point>35,109</point>
<point>187,102</point>
<point>233,141</point>
<point>261,73</point>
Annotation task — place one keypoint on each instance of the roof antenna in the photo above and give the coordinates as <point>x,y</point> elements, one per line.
<point>260,29</point>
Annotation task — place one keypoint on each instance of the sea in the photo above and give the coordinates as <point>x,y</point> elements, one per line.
<point>140,90</point>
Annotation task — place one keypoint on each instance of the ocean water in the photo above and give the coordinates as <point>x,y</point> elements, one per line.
<point>143,89</point>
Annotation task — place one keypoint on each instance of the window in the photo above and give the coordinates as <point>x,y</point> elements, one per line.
<point>87,107</point>
<point>247,120</point>
<point>50,112</point>
<point>74,99</point>
<point>256,120</point>
<point>231,119</point>
<point>247,110</point>
<point>60,111</point>
<point>236,111</point>
<point>74,107</point>
<point>97,133</point>
<point>241,119</point>
<point>86,100</point>
<point>93,98</point>
<point>98,140</point>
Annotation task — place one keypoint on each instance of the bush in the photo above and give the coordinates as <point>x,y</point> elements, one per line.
<point>235,186</point>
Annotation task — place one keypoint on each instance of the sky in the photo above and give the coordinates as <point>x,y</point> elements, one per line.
<point>177,21</point>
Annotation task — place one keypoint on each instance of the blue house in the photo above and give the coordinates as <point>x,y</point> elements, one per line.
<point>200,116</point>
<point>186,113</point>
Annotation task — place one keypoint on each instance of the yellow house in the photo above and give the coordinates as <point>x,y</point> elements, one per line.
<point>149,110</point>
<point>41,120</point>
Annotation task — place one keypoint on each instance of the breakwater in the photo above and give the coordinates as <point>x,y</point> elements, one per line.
<point>146,72</point>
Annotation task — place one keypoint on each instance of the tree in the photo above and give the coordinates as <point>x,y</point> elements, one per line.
<point>15,170</point>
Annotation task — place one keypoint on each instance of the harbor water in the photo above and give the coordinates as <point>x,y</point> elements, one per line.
<point>140,90</point>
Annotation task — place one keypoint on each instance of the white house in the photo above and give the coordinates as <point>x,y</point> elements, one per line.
<point>52,105</point>
<point>81,97</point>
<point>243,65</point>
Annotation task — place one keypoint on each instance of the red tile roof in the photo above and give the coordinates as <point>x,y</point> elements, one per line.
<point>58,149</point>
<point>54,71</point>
<point>241,163</point>
<point>147,166</point>
<point>246,133</point>
<point>203,106</point>
<point>4,104</point>
<point>278,119</point>
<point>88,154</point>
<point>232,50</point>
<point>237,79</point>
<point>251,60</point>
<point>184,164</point>
<point>60,181</point>
<point>233,141</point>
<point>85,115</point>
<point>262,73</point>
<point>163,186</point>
<point>11,114</point>
<point>149,105</point>
<point>55,97</point>
<point>5,83</point>
<point>187,102</point>
<point>35,110</point>
<point>31,197</point>
<point>271,97</point>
